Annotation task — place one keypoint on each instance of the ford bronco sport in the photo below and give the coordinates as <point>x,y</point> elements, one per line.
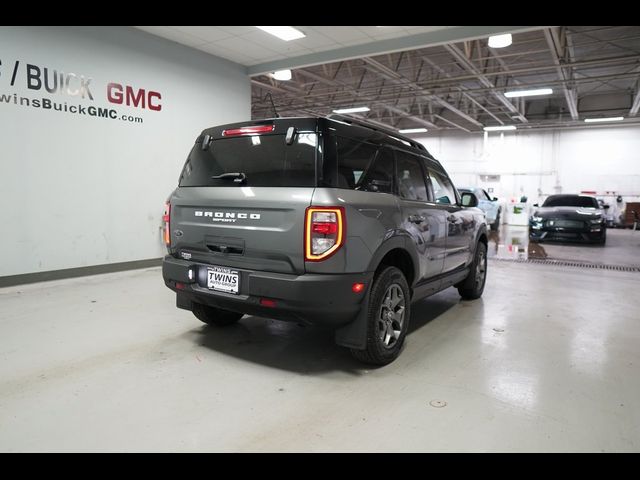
<point>331,221</point>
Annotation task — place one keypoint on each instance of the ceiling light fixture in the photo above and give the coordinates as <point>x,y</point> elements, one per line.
<point>284,33</point>
<point>605,119</point>
<point>413,130</point>
<point>352,110</point>
<point>499,128</point>
<point>528,93</point>
<point>500,41</point>
<point>282,75</point>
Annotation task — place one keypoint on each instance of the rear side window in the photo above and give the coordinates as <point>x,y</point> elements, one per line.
<point>354,159</point>
<point>411,185</point>
<point>265,161</point>
<point>443,191</point>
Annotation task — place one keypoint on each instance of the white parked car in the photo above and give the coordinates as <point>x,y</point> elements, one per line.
<point>489,205</point>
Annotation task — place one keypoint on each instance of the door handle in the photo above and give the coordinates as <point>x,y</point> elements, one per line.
<point>416,218</point>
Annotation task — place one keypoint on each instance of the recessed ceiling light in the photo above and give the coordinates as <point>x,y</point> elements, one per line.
<point>413,130</point>
<point>605,119</point>
<point>284,33</point>
<point>500,41</point>
<point>528,93</point>
<point>499,128</point>
<point>283,75</point>
<point>352,110</point>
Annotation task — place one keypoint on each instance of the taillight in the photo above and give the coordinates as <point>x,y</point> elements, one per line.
<point>255,130</point>
<point>166,219</point>
<point>324,232</point>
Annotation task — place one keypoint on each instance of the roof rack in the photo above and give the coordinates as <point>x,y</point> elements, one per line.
<point>386,131</point>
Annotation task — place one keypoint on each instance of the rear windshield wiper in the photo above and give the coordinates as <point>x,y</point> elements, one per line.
<point>237,177</point>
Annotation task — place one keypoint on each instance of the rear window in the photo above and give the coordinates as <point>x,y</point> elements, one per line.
<point>571,201</point>
<point>265,161</point>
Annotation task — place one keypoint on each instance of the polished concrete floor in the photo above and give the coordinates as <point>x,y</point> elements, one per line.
<point>547,360</point>
<point>512,242</point>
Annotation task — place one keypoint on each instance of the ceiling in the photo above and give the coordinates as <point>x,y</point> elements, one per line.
<point>440,78</point>
<point>593,71</point>
<point>250,46</point>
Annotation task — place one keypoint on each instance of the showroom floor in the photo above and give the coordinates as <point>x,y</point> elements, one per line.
<point>512,242</point>
<point>547,360</point>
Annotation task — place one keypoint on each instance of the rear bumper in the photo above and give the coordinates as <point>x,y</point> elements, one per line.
<point>310,298</point>
<point>594,234</point>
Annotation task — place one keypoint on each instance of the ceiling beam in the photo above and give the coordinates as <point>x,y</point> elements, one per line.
<point>557,50</point>
<point>470,66</point>
<point>380,47</point>
<point>370,99</point>
<point>452,123</point>
<point>401,80</point>
<point>409,116</point>
<point>461,88</point>
<point>636,103</point>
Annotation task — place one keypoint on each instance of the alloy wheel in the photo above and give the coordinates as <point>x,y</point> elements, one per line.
<point>481,268</point>
<point>391,316</point>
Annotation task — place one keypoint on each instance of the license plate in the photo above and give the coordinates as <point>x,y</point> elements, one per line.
<point>223,279</point>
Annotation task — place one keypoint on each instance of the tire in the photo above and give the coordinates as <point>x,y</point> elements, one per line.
<point>215,316</point>
<point>603,238</point>
<point>473,286</point>
<point>495,226</point>
<point>386,331</point>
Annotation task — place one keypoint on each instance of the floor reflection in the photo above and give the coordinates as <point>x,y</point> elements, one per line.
<point>513,242</point>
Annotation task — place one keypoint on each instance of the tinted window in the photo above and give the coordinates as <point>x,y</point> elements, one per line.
<point>379,176</point>
<point>570,201</point>
<point>354,159</point>
<point>266,161</point>
<point>443,191</point>
<point>411,183</point>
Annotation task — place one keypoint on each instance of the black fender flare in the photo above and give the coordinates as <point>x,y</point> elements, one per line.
<point>399,240</point>
<point>482,230</point>
<point>354,334</point>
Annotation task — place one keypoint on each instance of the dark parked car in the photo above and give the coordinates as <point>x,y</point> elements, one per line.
<point>569,217</point>
<point>319,220</point>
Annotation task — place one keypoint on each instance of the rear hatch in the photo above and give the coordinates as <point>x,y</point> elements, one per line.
<point>242,196</point>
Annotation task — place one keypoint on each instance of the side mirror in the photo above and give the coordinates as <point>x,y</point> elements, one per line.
<point>536,205</point>
<point>606,207</point>
<point>495,199</point>
<point>469,199</point>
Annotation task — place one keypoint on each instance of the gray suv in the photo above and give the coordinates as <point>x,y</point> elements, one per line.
<point>330,221</point>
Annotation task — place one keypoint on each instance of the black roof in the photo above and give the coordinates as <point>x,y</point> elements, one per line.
<point>386,131</point>
<point>281,124</point>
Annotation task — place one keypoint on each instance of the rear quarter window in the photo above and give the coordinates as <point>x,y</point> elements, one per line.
<point>362,166</point>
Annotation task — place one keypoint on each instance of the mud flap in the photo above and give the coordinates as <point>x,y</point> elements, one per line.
<point>183,302</point>
<point>354,334</point>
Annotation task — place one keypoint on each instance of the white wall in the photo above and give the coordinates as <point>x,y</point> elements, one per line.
<point>602,159</point>
<point>78,190</point>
